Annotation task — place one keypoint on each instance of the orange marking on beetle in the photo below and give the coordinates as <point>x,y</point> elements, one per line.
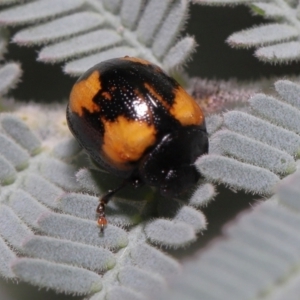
<point>83,92</point>
<point>185,109</point>
<point>126,140</point>
<point>107,95</point>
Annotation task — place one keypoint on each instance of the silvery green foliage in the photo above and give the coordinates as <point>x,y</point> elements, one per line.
<point>84,32</point>
<point>9,72</point>
<point>49,189</point>
<point>258,257</point>
<point>253,149</point>
<point>48,231</point>
<point>216,96</point>
<point>277,42</point>
<point>9,76</point>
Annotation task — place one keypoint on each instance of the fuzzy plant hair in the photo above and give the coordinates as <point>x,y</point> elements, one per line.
<point>50,188</point>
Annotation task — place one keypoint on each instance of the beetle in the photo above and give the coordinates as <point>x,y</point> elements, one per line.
<point>139,124</point>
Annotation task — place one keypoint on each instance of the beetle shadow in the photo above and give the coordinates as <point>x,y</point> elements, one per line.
<point>145,199</point>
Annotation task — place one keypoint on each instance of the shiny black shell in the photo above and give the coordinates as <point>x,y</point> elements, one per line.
<point>138,123</point>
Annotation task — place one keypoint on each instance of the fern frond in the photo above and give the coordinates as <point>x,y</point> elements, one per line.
<point>83,33</point>
<point>260,145</point>
<point>55,197</point>
<point>277,42</point>
<point>258,257</point>
<point>10,73</point>
<point>216,96</point>
<point>49,188</point>
<point>47,217</point>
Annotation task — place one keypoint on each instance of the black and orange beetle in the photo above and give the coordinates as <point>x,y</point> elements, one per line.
<point>139,124</point>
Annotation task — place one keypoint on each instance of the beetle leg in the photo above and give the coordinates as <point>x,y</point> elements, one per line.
<point>102,221</point>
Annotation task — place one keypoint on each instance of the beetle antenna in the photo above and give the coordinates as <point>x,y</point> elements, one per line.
<point>102,221</point>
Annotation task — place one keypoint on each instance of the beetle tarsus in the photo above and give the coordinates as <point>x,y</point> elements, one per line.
<point>102,221</point>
